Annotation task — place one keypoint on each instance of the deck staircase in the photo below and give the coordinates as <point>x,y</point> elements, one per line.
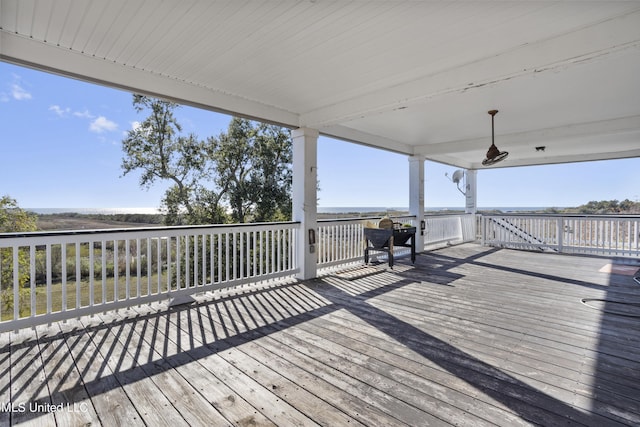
<point>518,232</point>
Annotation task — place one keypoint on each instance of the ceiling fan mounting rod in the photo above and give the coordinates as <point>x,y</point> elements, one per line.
<point>493,155</point>
<point>493,113</point>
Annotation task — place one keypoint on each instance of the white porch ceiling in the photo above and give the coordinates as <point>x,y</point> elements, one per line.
<point>409,76</point>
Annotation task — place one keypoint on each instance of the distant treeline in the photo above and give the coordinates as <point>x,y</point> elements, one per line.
<point>602,207</point>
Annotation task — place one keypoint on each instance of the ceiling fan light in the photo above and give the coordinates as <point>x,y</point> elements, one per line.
<point>494,156</point>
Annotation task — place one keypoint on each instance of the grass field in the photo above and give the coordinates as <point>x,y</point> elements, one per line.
<point>86,222</point>
<point>72,288</point>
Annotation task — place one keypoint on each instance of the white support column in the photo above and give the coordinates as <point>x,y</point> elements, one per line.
<point>416,196</point>
<point>305,198</point>
<point>471,191</point>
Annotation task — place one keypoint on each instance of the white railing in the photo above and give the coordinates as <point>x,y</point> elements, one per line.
<point>445,230</point>
<point>342,241</point>
<point>587,234</point>
<point>53,276</point>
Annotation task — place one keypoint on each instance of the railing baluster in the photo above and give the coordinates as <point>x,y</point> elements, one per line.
<point>234,254</point>
<point>255,251</point>
<point>278,250</point>
<point>169,260</point>
<point>242,260</point>
<point>204,259</point>
<point>78,277</point>
<point>127,255</point>
<point>219,263</point>
<point>159,262</point>
<point>138,268</point>
<point>226,257</point>
<point>32,279</point>
<point>49,277</point>
<point>91,274</point>
<point>178,262</point>
<point>63,273</point>
<point>16,283</point>
<point>116,271</point>
<point>187,260</point>
<point>149,268</point>
<point>103,265</point>
<point>196,257</point>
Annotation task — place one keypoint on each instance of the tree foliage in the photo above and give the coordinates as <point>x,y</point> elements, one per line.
<point>242,175</point>
<point>253,169</point>
<point>610,207</point>
<point>13,219</point>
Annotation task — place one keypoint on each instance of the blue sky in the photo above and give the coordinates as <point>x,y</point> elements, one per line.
<point>60,148</point>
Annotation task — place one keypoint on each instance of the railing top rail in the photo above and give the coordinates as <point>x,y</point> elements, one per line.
<point>431,214</point>
<point>132,230</point>
<point>376,218</point>
<point>566,215</point>
<point>363,218</point>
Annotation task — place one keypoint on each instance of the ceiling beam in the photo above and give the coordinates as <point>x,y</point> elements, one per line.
<point>545,160</point>
<point>367,139</point>
<point>620,126</point>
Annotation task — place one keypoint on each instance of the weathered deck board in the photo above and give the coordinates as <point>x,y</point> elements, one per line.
<point>468,336</point>
<point>61,371</point>
<point>26,363</point>
<point>110,401</point>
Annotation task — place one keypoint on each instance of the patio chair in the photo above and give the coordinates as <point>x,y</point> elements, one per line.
<point>386,236</point>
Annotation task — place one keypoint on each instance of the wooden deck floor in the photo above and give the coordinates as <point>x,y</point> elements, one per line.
<point>469,336</point>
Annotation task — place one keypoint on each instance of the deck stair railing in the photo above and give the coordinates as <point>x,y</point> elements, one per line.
<point>606,235</point>
<point>516,231</point>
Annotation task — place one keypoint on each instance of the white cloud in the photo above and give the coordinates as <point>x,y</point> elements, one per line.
<point>61,112</point>
<point>102,124</point>
<point>83,114</point>
<point>15,90</point>
<point>98,124</point>
<point>19,93</point>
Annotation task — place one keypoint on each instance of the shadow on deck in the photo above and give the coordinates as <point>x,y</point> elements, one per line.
<point>467,336</point>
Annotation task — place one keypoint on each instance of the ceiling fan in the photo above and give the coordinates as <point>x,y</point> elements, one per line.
<point>494,155</point>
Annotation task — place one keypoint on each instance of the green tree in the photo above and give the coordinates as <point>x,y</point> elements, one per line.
<point>157,148</point>
<point>13,219</point>
<point>243,175</point>
<point>253,166</point>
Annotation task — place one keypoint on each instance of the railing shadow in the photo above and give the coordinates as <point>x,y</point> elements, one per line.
<point>131,346</point>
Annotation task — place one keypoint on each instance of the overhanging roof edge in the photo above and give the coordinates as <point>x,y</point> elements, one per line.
<point>41,56</point>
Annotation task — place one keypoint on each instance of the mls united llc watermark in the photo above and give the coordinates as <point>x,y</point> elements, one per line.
<point>43,407</point>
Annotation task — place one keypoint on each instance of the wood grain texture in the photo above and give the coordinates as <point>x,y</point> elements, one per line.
<point>467,336</point>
